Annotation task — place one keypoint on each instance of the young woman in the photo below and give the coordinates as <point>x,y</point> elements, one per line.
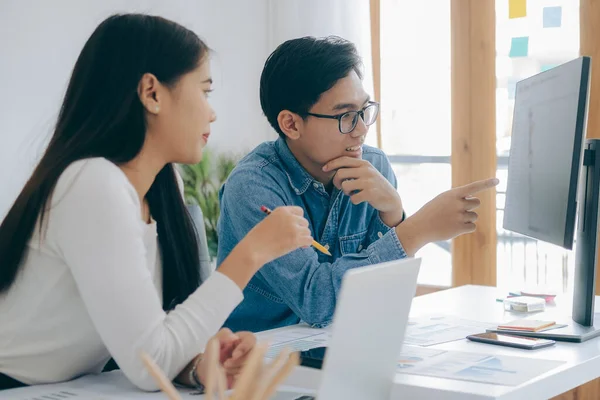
<point>98,256</point>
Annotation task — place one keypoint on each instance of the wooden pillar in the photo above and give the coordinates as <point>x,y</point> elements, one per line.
<point>473,38</point>
<point>376,56</point>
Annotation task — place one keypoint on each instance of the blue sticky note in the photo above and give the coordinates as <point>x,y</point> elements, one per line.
<point>552,17</point>
<point>546,67</point>
<point>519,47</point>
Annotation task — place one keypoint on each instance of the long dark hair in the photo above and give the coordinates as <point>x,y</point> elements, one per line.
<point>102,116</point>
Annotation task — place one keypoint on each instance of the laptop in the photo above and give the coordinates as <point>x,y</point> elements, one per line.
<point>367,334</point>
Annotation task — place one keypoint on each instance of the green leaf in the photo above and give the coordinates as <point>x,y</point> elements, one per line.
<point>202,182</point>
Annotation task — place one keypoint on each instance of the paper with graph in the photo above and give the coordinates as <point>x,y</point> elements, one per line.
<point>296,338</point>
<point>435,329</point>
<point>475,367</point>
<point>428,361</point>
<point>106,386</point>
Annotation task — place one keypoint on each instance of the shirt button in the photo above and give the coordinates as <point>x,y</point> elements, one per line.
<point>380,235</point>
<point>316,185</point>
<point>326,247</point>
<point>297,191</point>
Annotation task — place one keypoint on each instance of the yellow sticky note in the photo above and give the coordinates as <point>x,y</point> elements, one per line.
<point>517,8</point>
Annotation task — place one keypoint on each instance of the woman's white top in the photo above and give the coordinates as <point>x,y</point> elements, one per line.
<point>90,288</point>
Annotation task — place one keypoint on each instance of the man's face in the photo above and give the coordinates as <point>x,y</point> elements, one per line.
<point>319,140</point>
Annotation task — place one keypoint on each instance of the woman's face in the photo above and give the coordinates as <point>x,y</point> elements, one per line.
<point>180,128</point>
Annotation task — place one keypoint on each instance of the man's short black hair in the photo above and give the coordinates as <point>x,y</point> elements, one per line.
<point>300,70</point>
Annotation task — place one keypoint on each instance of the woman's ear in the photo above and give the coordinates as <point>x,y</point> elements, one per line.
<point>148,93</point>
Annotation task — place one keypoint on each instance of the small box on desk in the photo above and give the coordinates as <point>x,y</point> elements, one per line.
<point>524,304</point>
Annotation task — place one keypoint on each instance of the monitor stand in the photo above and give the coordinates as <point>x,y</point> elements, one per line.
<point>584,290</point>
<point>582,326</point>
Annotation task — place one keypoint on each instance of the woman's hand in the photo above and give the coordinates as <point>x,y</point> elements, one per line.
<point>283,231</point>
<point>234,349</point>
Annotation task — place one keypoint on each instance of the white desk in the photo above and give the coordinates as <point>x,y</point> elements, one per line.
<point>469,302</point>
<point>478,303</point>
<point>106,386</point>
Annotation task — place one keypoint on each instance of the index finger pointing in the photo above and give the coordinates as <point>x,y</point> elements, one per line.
<point>476,187</point>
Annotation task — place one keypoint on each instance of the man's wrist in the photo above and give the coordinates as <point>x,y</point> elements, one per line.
<point>411,236</point>
<point>392,218</point>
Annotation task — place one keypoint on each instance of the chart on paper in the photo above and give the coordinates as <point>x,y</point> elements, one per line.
<point>436,329</point>
<point>299,338</point>
<point>112,385</point>
<point>474,367</point>
<point>57,394</point>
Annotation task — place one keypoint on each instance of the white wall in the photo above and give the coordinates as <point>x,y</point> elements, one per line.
<point>40,41</point>
<point>349,19</point>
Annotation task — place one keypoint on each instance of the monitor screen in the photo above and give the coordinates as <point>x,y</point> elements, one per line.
<point>545,154</point>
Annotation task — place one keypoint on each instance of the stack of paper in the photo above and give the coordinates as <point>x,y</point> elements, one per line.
<point>525,304</point>
<point>526,325</point>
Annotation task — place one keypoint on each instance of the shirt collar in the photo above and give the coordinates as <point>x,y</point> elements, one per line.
<point>299,179</point>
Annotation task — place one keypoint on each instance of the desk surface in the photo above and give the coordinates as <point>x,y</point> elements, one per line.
<point>470,302</point>
<point>479,303</point>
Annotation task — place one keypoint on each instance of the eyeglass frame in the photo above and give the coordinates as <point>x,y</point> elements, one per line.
<point>360,113</point>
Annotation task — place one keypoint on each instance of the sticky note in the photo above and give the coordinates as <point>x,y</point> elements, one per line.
<point>546,67</point>
<point>519,47</point>
<point>552,17</point>
<point>517,8</point>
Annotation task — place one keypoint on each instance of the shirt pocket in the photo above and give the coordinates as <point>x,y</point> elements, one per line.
<point>265,294</point>
<point>353,244</point>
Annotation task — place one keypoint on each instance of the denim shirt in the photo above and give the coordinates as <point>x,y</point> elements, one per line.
<point>302,285</point>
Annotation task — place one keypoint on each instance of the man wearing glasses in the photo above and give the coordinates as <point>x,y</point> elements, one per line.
<point>312,94</point>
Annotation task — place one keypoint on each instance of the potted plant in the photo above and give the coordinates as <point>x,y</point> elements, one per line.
<point>202,182</point>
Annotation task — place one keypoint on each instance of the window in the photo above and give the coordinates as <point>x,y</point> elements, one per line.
<point>415,111</point>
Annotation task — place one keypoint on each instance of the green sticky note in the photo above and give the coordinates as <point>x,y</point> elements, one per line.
<point>517,8</point>
<point>552,17</point>
<point>519,47</point>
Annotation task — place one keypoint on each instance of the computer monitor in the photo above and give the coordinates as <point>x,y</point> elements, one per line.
<point>552,173</point>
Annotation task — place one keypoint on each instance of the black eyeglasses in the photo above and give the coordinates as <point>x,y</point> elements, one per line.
<point>348,120</point>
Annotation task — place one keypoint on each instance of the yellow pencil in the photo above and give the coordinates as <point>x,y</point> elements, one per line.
<point>163,382</point>
<point>315,244</point>
<point>288,367</point>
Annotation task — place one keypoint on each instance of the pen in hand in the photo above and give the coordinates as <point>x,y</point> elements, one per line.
<point>315,244</point>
